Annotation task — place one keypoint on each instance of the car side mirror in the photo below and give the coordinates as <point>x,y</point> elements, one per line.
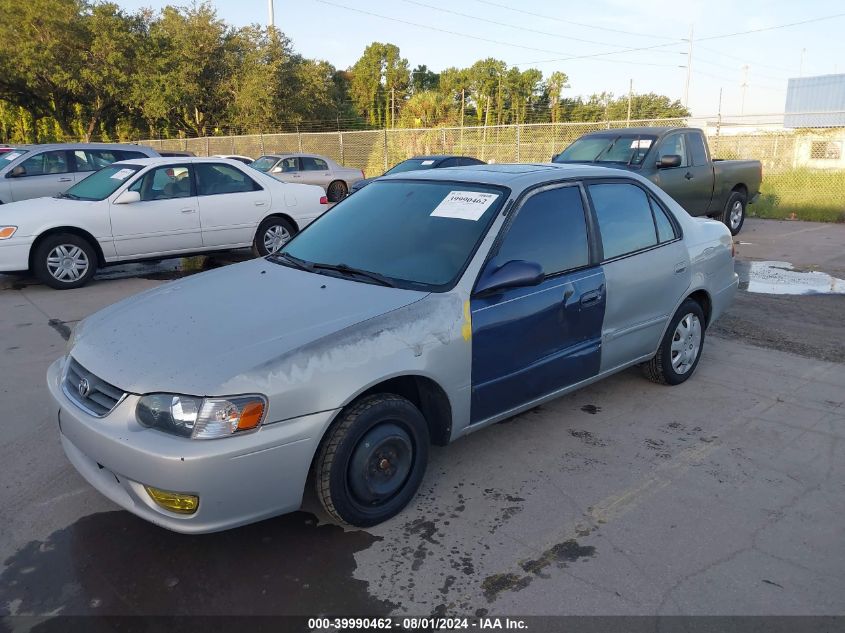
<point>277,170</point>
<point>513,274</point>
<point>17,172</point>
<point>668,161</point>
<point>128,197</point>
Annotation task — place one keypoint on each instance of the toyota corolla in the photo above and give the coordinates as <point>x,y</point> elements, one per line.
<point>427,306</point>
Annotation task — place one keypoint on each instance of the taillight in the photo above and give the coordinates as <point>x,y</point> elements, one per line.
<point>324,200</point>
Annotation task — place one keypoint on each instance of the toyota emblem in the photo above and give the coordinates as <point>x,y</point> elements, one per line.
<point>84,388</point>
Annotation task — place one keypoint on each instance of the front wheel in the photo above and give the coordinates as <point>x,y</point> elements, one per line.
<point>272,234</point>
<point>679,351</point>
<point>372,460</point>
<point>64,261</point>
<point>734,216</point>
<point>336,191</point>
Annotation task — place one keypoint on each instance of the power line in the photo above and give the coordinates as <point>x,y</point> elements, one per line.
<point>772,28</point>
<point>492,41</point>
<point>556,19</point>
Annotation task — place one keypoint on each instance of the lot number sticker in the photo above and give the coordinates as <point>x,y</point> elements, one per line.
<point>427,162</point>
<point>464,205</point>
<point>12,155</point>
<point>123,174</point>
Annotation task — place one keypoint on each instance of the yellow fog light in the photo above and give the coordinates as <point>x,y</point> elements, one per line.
<point>174,501</point>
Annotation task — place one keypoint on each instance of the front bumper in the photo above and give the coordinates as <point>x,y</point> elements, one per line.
<point>14,254</point>
<point>239,480</point>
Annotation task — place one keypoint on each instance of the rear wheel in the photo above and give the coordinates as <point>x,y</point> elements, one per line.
<point>372,460</point>
<point>679,351</point>
<point>336,191</point>
<point>273,233</point>
<point>64,261</point>
<point>734,215</point>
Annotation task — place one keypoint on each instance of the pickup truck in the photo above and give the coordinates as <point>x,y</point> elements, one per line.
<point>678,161</point>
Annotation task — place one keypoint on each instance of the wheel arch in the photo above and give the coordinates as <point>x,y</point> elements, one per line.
<point>279,214</point>
<point>702,298</point>
<point>740,188</point>
<point>74,230</point>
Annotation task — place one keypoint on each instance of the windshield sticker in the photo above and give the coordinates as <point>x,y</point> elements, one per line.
<point>123,174</point>
<point>464,205</point>
<point>641,143</point>
<point>427,162</point>
<point>12,155</point>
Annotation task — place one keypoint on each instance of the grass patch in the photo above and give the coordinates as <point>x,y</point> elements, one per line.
<point>817,196</point>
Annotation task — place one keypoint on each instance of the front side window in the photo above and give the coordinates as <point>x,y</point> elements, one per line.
<point>696,147</point>
<point>674,144</point>
<point>46,163</point>
<point>164,183</point>
<point>214,179</point>
<point>102,184</point>
<point>264,163</point>
<point>309,163</point>
<point>418,234</point>
<point>624,218</point>
<point>549,229</point>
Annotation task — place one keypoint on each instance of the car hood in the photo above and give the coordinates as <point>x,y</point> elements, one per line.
<point>28,211</point>
<point>194,335</point>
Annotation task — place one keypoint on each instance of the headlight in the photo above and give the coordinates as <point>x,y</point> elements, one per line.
<point>7,231</point>
<point>201,418</point>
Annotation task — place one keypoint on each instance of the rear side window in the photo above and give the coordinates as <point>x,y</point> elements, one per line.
<point>695,143</point>
<point>309,163</point>
<point>624,216</point>
<point>549,229</point>
<point>127,154</point>
<point>665,228</point>
<point>213,179</point>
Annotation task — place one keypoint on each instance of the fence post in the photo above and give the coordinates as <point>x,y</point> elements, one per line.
<point>233,143</point>
<point>443,138</point>
<point>299,138</point>
<point>385,149</point>
<point>340,140</point>
<point>261,141</point>
<point>208,146</point>
<point>518,126</point>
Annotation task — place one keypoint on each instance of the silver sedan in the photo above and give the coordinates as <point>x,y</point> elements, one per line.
<point>423,308</point>
<point>311,169</point>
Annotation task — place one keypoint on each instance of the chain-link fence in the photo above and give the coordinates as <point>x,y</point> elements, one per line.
<point>803,168</point>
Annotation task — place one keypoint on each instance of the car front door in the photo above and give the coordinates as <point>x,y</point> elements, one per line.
<point>287,169</point>
<point>315,171</point>
<point>231,204</point>
<point>164,221</point>
<point>678,182</point>
<point>531,341</point>
<point>44,174</point>
<point>646,267</point>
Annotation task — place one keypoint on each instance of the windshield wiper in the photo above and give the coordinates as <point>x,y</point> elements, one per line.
<point>606,149</point>
<point>346,269</point>
<point>298,263</point>
<point>67,195</point>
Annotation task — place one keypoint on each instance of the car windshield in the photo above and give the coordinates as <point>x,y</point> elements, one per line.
<point>629,149</point>
<point>416,234</point>
<point>264,163</point>
<point>412,164</point>
<point>101,184</point>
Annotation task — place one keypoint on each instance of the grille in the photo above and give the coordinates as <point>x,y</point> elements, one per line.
<point>101,397</point>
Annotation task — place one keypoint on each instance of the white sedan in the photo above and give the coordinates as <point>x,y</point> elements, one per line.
<point>149,209</point>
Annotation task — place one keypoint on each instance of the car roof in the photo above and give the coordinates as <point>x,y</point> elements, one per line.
<point>48,146</point>
<point>512,175</point>
<point>437,157</point>
<point>650,131</point>
<point>178,160</point>
<point>286,154</point>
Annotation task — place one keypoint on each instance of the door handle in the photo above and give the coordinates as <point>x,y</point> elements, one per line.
<point>688,176</point>
<point>65,179</point>
<point>680,267</point>
<point>591,298</point>
<point>188,210</point>
<point>258,203</point>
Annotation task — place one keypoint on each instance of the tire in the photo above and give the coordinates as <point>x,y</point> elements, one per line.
<point>734,215</point>
<point>64,261</point>
<point>282,229</point>
<point>677,357</point>
<point>336,191</point>
<point>372,460</point>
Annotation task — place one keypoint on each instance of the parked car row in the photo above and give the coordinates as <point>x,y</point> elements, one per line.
<point>426,306</point>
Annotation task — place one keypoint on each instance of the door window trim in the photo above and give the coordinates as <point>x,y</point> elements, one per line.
<point>69,163</point>
<point>142,175</point>
<point>649,198</point>
<point>195,183</point>
<point>688,158</point>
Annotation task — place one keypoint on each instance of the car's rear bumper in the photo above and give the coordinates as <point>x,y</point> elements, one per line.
<point>238,480</point>
<point>722,299</point>
<point>14,254</point>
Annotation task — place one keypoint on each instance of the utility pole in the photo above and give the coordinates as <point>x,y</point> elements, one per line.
<point>689,68</point>
<point>630,94</point>
<point>393,107</point>
<point>801,65</point>
<point>272,21</point>
<point>744,86</point>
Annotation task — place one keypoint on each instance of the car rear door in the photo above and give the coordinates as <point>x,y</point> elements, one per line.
<point>315,171</point>
<point>165,221</point>
<point>531,341</point>
<point>231,204</point>
<point>46,173</point>
<point>646,268</point>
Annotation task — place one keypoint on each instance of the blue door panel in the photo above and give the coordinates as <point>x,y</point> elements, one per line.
<point>528,342</point>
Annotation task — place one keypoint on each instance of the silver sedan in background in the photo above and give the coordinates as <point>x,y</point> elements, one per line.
<point>311,169</point>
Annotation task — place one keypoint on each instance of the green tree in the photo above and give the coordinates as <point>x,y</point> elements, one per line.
<point>555,85</point>
<point>423,79</point>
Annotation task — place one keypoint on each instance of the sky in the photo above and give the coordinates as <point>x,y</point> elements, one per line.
<point>558,34</point>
